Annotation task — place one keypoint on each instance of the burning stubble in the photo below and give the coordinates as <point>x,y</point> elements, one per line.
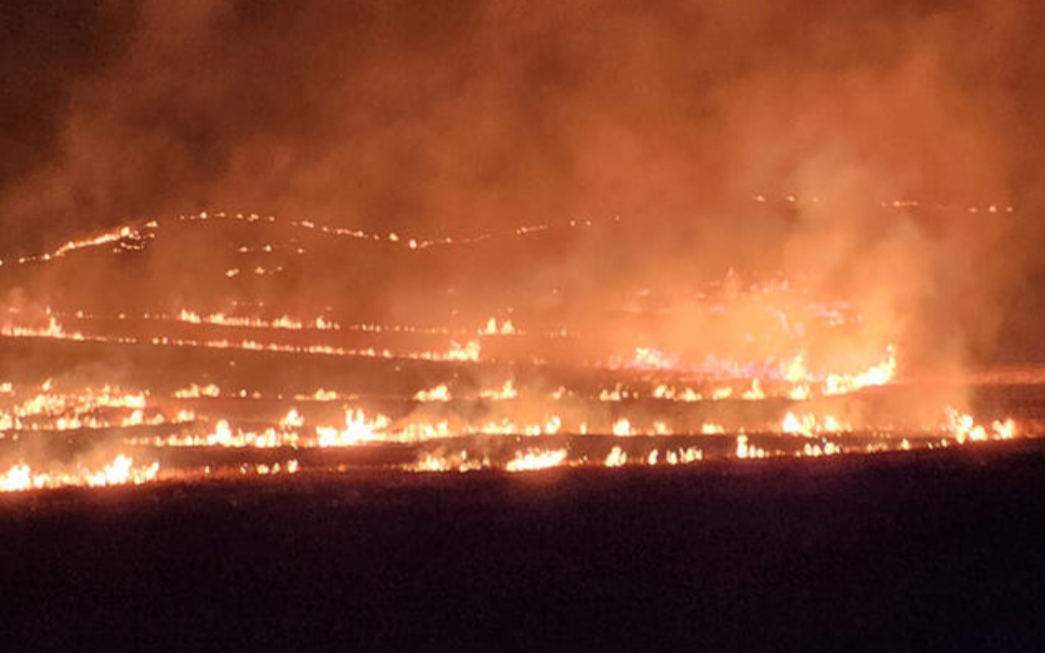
<point>732,203</point>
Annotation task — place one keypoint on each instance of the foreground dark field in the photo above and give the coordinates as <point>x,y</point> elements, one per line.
<point>924,551</point>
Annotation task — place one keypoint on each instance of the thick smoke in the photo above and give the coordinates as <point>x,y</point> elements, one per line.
<point>437,118</point>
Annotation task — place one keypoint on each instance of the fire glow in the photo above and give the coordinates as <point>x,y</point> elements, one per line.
<point>46,410</point>
<point>457,397</point>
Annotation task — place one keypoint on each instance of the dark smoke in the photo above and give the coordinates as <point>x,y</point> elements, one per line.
<point>437,118</point>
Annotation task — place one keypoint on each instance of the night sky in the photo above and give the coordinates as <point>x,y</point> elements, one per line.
<point>437,118</point>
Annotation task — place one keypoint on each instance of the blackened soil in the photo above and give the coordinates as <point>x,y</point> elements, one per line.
<point>935,551</point>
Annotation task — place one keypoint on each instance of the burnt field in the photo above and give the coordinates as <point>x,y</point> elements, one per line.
<point>933,550</point>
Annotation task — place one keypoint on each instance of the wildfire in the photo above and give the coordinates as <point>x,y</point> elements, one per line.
<point>665,402</point>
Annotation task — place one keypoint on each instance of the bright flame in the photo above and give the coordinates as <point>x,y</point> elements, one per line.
<point>439,393</point>
<point>358,429</point>
<point>616,457</point>
<point>120,471</point>
<point>505,392</point>
<point>962,427</point>
<point>533,459</point>
<point>747,450</point>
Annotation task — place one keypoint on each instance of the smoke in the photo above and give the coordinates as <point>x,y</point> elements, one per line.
<point>435,119</point>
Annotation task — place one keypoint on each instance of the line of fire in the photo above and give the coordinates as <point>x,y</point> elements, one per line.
<point>224,346</point>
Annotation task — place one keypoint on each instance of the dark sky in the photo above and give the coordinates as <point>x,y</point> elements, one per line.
<point>458,116</point>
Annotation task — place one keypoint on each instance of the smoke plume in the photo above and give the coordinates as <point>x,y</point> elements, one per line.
<point>437,118</point>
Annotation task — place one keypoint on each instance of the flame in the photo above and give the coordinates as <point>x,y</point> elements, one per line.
<point>962,427</point>
<point>747,450</point>
<point>687,395</point>
<point>505,392</point>
<point>616,457</point>
<point>52,330</point>
<point>651,358</point>
<point>467,352</point>
<point>285,322</point>
<point>878,375</point>
<point>755,393</point>
<point>358,429</point>
<point>292,420</point>
<point>799,392</point>
<point>622,427</point>
<point>684,456</point>
<point>324,395</point>
<point>618,393</point>
<point>88,408</point>
<point>721,393</point>
<point>121,471</point>
<point>506,328</point>
<point>808,424</point>
<point>825,448</point>
<point>791,378</point>
<point>195,391</point>
<point>534,459</point>
<point>459,462</point>
<point>438,393</point>
<point>263,469</point>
